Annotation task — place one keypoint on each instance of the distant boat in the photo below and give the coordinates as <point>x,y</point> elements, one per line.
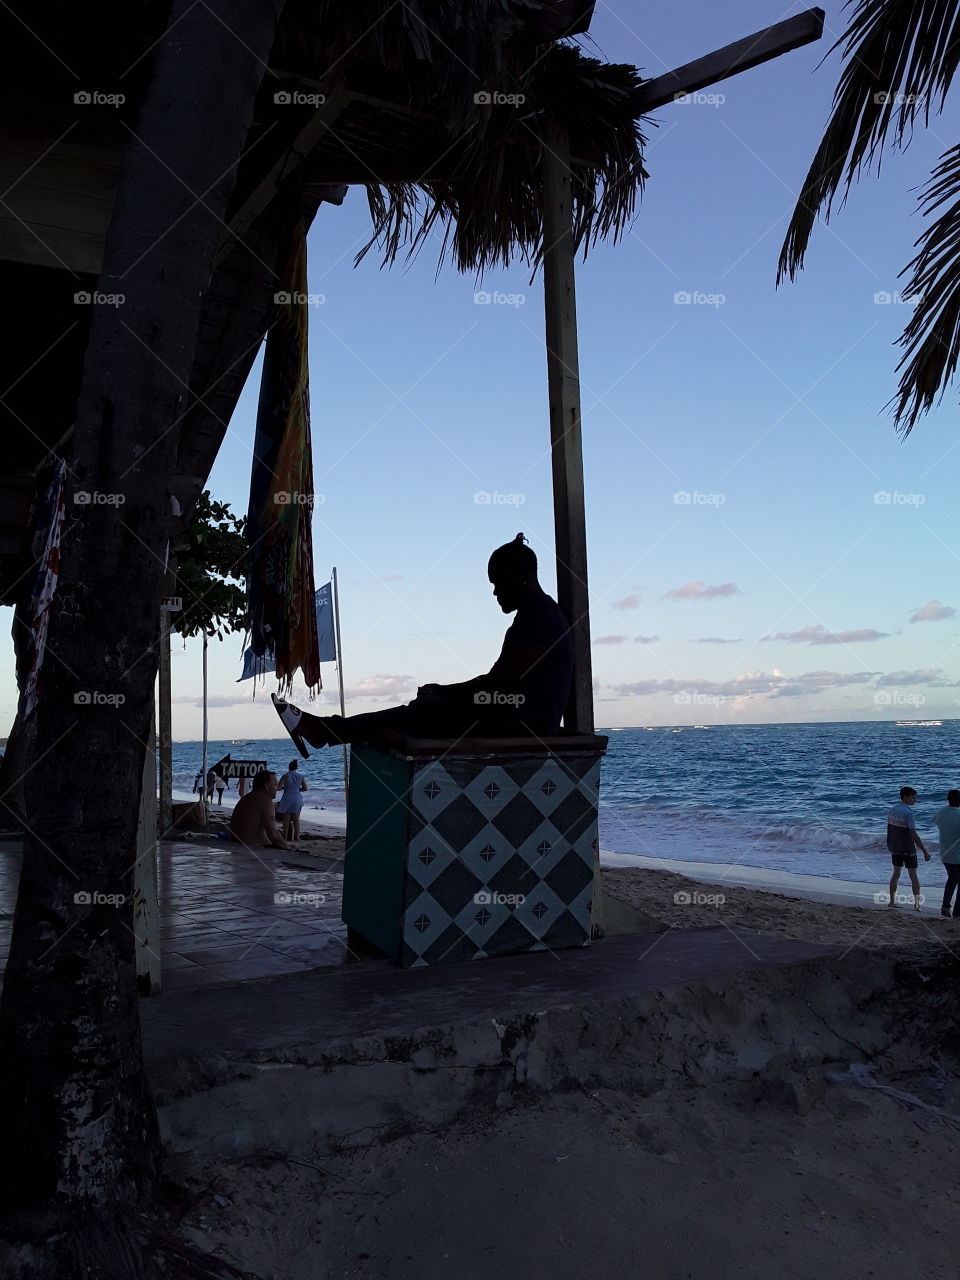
<point>241,742</point>
<point>918,723</point>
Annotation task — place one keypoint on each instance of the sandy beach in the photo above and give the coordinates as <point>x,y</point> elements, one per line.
<point>806,1166</point>
<point>686,901</point>
<point>681,895</point>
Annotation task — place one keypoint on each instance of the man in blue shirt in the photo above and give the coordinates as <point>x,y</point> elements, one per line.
<point>903,842</point>
<point>948,824</point>
<point>522,695</point>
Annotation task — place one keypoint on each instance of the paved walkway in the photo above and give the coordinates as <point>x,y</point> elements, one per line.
<point>357,1002</point>
<point>228,915</point>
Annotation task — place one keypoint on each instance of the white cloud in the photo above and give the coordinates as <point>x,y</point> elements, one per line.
<point>610,639</point>
<point>820,635</point>
<point>932,676</point>
<point>628,602</point>
<point>716,640</point>
<point>699,590</point>
<point>398,687</point>
<point>749,685</point>
<point>933,611</point>
<point>645,639</point>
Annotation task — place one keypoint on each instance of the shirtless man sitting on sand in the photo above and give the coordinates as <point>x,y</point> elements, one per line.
<point>253,823</point>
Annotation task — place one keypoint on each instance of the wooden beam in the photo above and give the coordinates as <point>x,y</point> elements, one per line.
<point>563,380</point>
<point>300,146</point>
<point>146,909</point>
<point>763,45</point>
<point>165,729</point>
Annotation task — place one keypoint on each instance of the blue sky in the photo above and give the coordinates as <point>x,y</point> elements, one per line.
<point>734,444</point>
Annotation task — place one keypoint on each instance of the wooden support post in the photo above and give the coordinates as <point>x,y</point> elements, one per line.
<point>166,727</point>
<point>146,911</point>
<point>563,380</point>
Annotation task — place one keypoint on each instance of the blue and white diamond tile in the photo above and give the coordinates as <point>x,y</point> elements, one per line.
<point>589,784</point>
<point>581,907</point>
<point>423,922</point>
<point>486,853</point>
<point>544,848</point>
<point>548,786</point>
<point>540,908</point>
<point>432,790</point>
<point>480,920</point>
<point>490,790</point>
<point>428,855</point>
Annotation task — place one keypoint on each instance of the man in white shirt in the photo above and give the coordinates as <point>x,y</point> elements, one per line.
<point>948,824</point>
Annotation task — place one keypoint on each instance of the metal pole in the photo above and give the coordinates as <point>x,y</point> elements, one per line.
<point>343,708</point>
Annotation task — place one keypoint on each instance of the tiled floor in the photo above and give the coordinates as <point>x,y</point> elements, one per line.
<point>229,914</point>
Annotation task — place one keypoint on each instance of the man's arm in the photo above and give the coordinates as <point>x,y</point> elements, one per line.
<point>912,828</point>
<point>509,670</point>
<point>269,827</point>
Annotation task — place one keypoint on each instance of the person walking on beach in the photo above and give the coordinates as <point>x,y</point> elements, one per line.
<point>292,786</point>
<point>522,695</point>
<point>948,824</point>
<point>221,784</point>
<point>903,842</point>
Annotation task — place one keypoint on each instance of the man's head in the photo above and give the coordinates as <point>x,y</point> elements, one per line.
<point>908,795</point>
<point>265,781</point>
<point>953,799</point>
<point>292,765</point>
<point>513,571</point>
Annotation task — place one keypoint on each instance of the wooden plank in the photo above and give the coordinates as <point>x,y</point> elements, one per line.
<point>165,726</point>
<point>58,203</point>
<point>563,381</point>
<point>763,45</point>
<point>243,218</point>
<point>146,909</point>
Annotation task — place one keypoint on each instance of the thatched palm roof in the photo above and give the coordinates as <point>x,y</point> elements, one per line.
<point>401,119</point>
<point>477,174</point>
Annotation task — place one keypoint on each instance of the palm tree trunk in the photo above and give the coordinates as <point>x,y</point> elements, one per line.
<point>79,1126</point>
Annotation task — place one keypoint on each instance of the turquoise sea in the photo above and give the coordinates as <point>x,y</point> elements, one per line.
<point>807,798</point>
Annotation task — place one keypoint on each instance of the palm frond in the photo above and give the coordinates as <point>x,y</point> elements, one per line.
<point>488,203</point>
<point>900,60</point>
<point>434,56</point>
<point>932,336</point>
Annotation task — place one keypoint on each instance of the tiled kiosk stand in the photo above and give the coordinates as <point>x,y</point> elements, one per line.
<point>459,851</point>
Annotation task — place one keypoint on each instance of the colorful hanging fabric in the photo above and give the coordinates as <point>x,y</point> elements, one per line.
<point>279,521</point>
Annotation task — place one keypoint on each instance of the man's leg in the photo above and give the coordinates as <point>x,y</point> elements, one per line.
<point>915,886</point>
<point>423,718</point>
<point>894,881</point>
<point>948,889</point>
<point>953,871</point>
<point>328,731</point>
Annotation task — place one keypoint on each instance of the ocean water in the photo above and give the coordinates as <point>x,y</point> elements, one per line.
<point>806,798</point>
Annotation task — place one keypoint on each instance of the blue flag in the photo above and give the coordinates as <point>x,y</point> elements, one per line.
<point>326,633</point>
<point>254,666</point>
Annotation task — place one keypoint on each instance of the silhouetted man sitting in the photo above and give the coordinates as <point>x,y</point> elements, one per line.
<point>523,694</point>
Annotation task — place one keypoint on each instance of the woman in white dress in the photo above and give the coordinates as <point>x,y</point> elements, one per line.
<point>290,790</point>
